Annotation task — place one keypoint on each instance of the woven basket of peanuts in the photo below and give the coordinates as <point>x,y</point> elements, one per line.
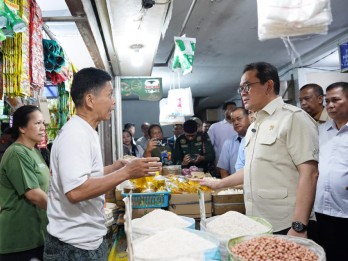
<point>274,248</point>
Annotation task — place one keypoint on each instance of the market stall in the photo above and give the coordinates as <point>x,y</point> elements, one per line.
<point>35,69</point>
<point>161,209</point>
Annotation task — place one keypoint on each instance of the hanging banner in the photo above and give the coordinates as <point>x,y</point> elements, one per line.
<point>145,88</point>
<point>344,57</point>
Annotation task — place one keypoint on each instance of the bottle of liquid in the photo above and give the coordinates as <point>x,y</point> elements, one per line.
<point>164,157</point>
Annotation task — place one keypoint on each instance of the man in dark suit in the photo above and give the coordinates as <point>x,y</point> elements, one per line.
<point>177,130</point>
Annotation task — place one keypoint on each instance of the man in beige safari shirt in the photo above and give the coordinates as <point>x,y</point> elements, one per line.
<point>281,147</point>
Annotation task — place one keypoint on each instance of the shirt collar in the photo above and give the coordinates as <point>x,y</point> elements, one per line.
<point>330,124</point>
<point>322,117</point>
<point>317,117</point>
<point>273,105</point>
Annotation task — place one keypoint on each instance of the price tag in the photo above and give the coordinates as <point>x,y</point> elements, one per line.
<point>201,206</point>
<point>128,225</point>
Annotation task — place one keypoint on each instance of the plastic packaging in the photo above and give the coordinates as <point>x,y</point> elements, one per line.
<point>281,18</point>
<point>140,231</point>
<point>184,54</point>
<point>173,248</point>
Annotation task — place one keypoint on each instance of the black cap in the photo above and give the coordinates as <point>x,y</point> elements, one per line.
<point>190,126</point>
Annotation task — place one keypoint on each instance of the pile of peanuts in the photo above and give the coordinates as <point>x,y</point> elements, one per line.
<point>271,249</point>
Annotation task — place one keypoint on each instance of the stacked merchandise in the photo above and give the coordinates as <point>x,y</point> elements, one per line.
<point>231,199</point>
<point>36,64</point>
<point>23,73</point>
<point>22,70</point>
<point>59,74</point>
<point>16,51</point>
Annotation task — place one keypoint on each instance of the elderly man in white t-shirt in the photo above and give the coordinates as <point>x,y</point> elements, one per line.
<point>78,178</point>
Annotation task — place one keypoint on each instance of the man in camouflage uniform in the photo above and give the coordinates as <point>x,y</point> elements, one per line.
<point>193,149</point>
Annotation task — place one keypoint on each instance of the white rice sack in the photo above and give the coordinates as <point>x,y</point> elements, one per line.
<point>235,224</point>
<point>232,224</point>
<point>159,220</point>
<point>174,244</point>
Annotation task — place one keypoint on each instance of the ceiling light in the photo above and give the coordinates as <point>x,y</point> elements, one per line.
<point>137,58</point>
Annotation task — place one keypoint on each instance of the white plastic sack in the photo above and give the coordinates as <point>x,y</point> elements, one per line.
<point>210,254</point>
<point>281,18</point>
<point>140,232</point>
<point>165,117</point>
<point>180,102</point>
<point>223,239</point>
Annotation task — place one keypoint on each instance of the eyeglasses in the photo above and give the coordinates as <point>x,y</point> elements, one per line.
<point>245,87</point>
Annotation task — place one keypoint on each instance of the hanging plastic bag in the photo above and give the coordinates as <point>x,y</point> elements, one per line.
<point>3,15</point>
<point>282,18</point>
<point>180,102</point>
<point>13,19</point>
<point>184,54</point>
<point>165,117</point>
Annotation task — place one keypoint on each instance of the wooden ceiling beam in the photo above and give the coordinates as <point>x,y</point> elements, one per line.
<point>91,36</point>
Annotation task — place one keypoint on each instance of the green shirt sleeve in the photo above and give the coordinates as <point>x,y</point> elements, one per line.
<point>20,171</point>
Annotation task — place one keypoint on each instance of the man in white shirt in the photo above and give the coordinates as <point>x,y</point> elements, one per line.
<point>79,180</point>
<point>142,141</point>
<point>229,153</point>
<point>222,130</point>
<point>331,201</point>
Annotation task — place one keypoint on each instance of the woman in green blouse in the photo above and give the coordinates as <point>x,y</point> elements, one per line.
<point>24,180</point>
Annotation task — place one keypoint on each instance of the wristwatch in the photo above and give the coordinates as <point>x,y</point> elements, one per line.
<point>299,226</point>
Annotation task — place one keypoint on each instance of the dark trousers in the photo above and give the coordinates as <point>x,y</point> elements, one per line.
<point>312,231</point>
<point>56,250</point>
<point>333,232</point>
<point>27,255</point>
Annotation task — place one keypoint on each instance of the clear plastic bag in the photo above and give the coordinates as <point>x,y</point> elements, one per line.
<point>282,18</point>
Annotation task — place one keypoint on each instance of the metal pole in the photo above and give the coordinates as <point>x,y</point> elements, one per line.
<point>116,126</point>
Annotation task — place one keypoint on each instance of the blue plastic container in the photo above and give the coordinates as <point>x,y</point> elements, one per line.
<point>149,200</point>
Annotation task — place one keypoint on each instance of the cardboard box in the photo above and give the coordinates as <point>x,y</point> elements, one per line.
<point>119,199</point>
<point>225,203</point>
<point>188,205</point>
<point>140,212</point>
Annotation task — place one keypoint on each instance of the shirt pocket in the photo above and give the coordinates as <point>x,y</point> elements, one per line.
<point>273,203</point>
<point>280,193</point>
<point>269,139</point>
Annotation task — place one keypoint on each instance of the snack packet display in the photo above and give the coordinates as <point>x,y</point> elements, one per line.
<point>13,20</point>
<point>3,16</point>
<point>180,184</point>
